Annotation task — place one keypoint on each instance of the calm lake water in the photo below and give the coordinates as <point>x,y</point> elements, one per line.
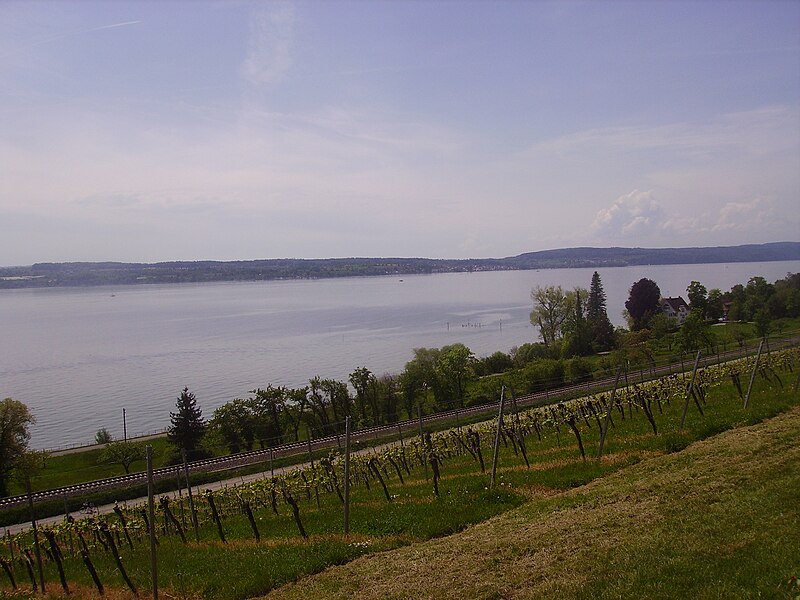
<point>76,357</point>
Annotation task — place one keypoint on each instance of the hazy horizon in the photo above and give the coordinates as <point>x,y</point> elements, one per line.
<point>418,257</point>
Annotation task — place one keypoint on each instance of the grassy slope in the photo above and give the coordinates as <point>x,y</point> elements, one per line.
<point>719,519</point>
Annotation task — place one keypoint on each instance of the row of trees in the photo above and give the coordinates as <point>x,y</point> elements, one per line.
<point>435,379</point>
<point>758,301</point>
<point>574,322</point>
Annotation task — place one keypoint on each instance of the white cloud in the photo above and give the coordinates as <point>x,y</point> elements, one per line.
<point>741,216</point>
<point>639,218</point>
<point>633,214</point>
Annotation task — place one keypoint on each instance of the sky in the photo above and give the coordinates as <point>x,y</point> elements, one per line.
<point>149,131</point>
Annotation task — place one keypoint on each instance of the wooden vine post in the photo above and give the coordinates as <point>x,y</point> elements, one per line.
<point>422,439</point>
<point>608,414</point>
<point>195,524</point>
<point>518,428</point>
<point>497,436</point>
<point>753,374</point>
<point>689,391</point>
<point>347,476</point>
<point>36,548</point>
<point>151,521</point>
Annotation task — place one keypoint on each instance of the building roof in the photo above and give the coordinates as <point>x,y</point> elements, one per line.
<point>675,303</point>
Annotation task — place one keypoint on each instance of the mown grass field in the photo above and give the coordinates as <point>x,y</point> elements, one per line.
<point>659,516</point>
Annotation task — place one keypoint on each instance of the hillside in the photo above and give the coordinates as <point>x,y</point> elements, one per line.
<point>719,519</point>
<point>115,273</point>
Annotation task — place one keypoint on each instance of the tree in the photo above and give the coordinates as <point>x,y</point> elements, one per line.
<point>661,326</point>
<point>330,402</point>
<point>714,304</point>
<point>693,334</point>
<point>419,375</point>
<point>551,308</point>
<point>597,317</point>
<point>387,393</point>
<point>122,453</point>
<point>762,323</point>
<point>362,380</point>
<point>102,436</point>
<point>187,425</point>
<point>15,418</point>
<point>233,423</point>
<point>577,335</point>
<point>454,367</point>
<point>266,409</point>
<point>698,297</point>
<point>643,302</point>
<point>295,413</point>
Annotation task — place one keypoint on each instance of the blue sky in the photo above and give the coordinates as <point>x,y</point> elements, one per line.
<point>147,131</point>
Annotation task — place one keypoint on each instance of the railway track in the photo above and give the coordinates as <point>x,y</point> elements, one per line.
<point>367,434</point>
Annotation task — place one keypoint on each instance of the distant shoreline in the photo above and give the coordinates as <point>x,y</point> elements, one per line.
<point>90,274</point>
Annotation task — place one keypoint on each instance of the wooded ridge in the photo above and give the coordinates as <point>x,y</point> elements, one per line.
<point>118,273</point>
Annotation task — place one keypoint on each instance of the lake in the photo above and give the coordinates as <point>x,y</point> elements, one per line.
<point>77,356</point>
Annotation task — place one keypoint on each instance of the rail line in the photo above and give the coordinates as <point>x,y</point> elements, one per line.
<point>373,433</point>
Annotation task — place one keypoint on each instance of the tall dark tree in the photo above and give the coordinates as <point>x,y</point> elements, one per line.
<point>643,302</point>
<point>597,316</point>
<point>187,425</point>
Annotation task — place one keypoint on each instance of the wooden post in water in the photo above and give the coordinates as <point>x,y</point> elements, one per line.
<point>689,391</point>
<point>608,414</point>
<point>151,511</point>
<point>347,476</point>
<point>497,436</point>
<point>753,375</point>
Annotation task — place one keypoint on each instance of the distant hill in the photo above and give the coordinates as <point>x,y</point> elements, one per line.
<point>114,273</point>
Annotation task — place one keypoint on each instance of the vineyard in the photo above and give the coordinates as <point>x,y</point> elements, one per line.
<point>246,540</point>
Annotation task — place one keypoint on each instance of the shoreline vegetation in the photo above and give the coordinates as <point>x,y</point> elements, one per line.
<point>84,274</point>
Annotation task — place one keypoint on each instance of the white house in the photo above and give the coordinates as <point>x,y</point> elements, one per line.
<point>675,308</point>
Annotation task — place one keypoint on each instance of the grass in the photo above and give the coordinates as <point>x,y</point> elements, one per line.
<point>718,520</point>
<point>644,522</point>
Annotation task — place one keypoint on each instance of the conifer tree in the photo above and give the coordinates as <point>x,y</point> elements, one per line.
<point>597,317</point>
<point>187,425</point>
